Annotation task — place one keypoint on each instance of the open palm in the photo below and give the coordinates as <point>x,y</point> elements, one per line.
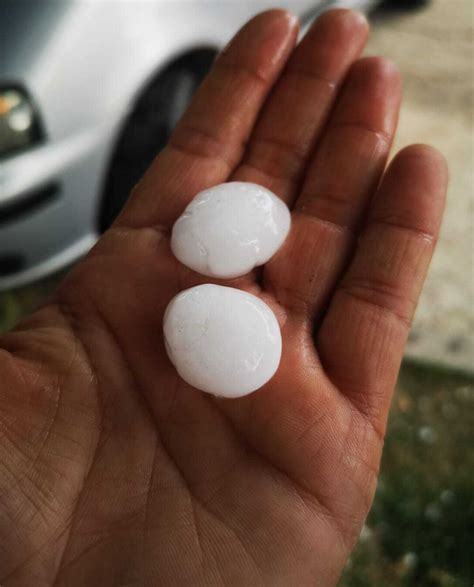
<point>113,471</point>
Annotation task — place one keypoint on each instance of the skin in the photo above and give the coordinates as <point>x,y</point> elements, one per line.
<point>113,471</point>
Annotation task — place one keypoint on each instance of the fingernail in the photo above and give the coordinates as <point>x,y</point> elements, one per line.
<point>356,18</point>
<point>360,17</point>
<point>281,31</point>
<point>293,20</point>
<point>346,14</point>
<point>277,28</point>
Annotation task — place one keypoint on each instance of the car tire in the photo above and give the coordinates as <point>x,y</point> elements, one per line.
<point>401,5</point>
<point>148,128</point>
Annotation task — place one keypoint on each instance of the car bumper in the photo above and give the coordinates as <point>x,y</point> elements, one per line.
<point>48,206</point>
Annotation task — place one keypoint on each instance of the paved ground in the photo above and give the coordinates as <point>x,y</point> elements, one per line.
<point>434,49</point>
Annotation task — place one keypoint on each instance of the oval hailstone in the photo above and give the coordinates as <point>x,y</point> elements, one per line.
<point>222,340</point>
<point>229,229</point>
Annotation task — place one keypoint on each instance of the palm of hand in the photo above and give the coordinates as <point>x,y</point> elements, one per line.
<point>112,469</point>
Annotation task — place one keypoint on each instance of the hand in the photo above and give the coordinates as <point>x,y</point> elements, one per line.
<point>113,471</point>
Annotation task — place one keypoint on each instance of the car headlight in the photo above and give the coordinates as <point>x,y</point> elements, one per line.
<point>19,126</point>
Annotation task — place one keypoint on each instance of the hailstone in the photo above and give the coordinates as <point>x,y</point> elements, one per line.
<point>229,229</point>
<point>222,340</point>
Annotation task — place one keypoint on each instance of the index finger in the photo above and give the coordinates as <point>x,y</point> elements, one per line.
<point>210,139</point>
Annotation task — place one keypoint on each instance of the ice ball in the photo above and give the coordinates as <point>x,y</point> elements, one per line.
<point>229,229</point>
<point>222,340</point>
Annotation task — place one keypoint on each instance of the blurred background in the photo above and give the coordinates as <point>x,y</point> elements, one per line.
<point>89,92</point>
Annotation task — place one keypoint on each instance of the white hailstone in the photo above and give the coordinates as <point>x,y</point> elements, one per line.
<point>410,561</point>
<point>365,534</point>
<point>229,229</point>
<point>222,340</point>
<point>427,435</point>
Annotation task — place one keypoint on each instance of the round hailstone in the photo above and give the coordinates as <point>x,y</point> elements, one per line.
<point>229,229</point>
<point>222,340</point>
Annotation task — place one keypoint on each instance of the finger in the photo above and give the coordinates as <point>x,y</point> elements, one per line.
<point>345,171</point>
<point>363,334</point>
<point>296,110</point>
<point>209,140</point>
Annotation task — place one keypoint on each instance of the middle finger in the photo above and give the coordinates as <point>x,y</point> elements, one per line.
<point>298,106</point>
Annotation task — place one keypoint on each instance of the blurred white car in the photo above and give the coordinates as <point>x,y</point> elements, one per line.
<point>89,91</point>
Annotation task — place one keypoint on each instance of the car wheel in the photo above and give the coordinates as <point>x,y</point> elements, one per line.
<point>148,128</point>
<point>400,5</point>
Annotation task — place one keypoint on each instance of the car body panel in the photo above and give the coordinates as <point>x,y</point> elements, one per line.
<point>85,64</point>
